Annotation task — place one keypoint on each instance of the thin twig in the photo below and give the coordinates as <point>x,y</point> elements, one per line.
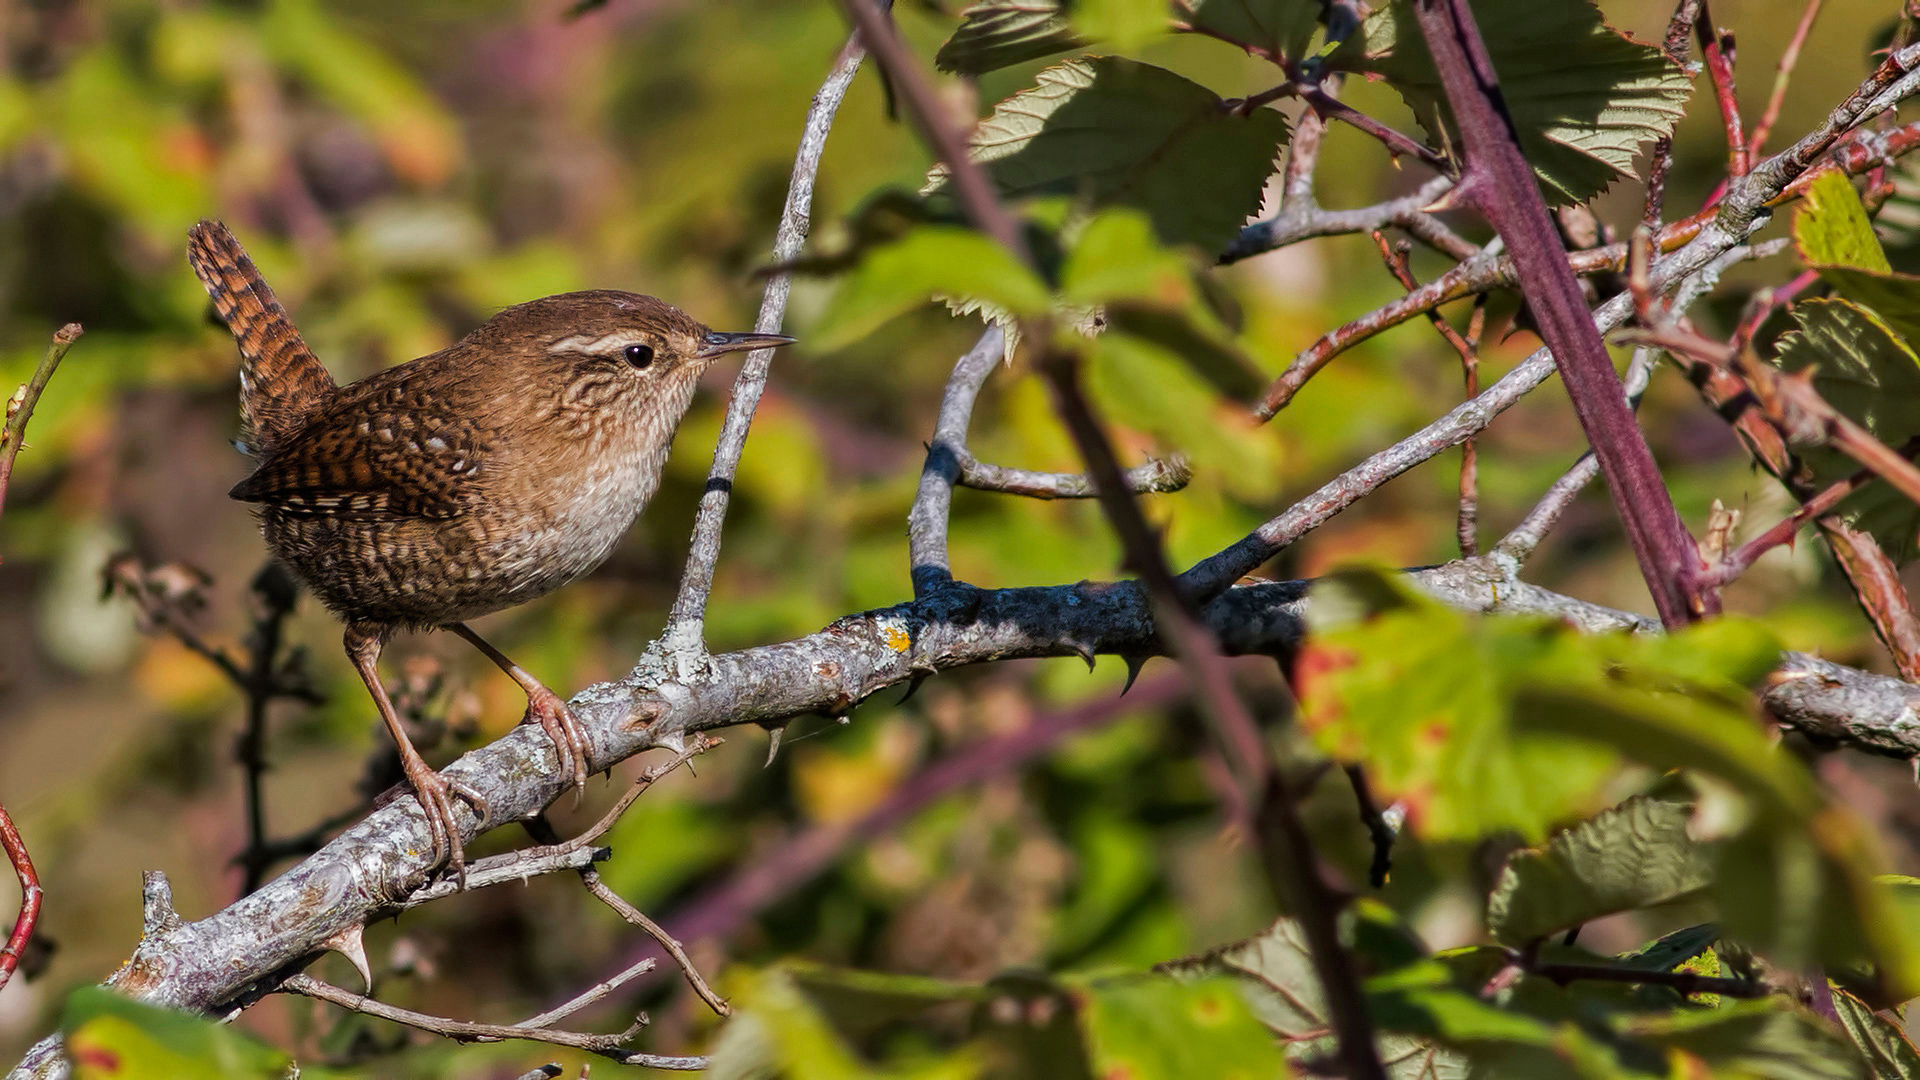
<point>20,405</point>
<point>12,434</point>
<point>1397,143</point>
<point>1518,546</point>
<point>1482,272</point>
<point>682,646</point>
<point>1793,405</point>
<point>1679,32</point>
<point>1157,476</point>
<point>588,996</point>
<point>1716,50</point>
<point>1783,531</point>
<point>1783,75</point>
<point>508,868</point>
<point>607,1046</point>
<point>696,746</point>
<point>1468,349</point>
<point>591,878</point>
<point>1302,220</point>
<point>30,897</point>
<point>1215,573</point>
<point>933,503</point>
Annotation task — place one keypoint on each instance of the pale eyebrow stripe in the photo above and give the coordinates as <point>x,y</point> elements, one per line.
<point>603,343</point>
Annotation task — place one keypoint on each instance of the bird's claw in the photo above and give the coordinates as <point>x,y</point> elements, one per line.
<point>436,793</point>
<point>547,709</point>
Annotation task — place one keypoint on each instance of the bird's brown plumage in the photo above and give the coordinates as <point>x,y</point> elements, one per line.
<point>463,482</point>
<point>280,379</point>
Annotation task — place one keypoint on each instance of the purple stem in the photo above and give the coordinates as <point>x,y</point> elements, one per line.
<point>1499,184</point>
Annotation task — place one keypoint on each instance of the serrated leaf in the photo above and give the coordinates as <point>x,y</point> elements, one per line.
<point>999,33</point>
<point>1880,1042</point>
<point>1872,375</point>
<point>1584,98</point>
<point>930,261</point>
<point>1627,857</point>
<point>1279,30</point>
<point>1832,228</point>
<point>1118,131</point>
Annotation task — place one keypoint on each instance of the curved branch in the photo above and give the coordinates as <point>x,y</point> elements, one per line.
<point>683,644</point>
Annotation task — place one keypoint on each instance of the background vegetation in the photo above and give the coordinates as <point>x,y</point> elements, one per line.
<point>401,171</point>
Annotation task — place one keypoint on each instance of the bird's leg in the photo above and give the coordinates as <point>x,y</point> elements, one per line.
<point>544,707</point>
<point>434,792</point>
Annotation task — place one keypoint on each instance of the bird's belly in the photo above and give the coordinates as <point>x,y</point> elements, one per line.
<point>419,573</point>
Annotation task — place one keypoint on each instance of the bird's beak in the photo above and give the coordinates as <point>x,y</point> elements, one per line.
<point>721,341</point>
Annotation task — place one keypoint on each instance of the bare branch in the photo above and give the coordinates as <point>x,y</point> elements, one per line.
<point>20,405</point>
<point>666,941</point>
<point>933,504</point>
<point>1302,220</point>
<point>1158,475</point>
<point>607,1046</point>
<point>1220,570</point>
<point>682,646</point>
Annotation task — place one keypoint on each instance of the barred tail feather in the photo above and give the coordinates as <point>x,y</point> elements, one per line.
<point>280,380</point>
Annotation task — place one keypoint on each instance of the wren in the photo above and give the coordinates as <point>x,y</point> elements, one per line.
<point>463,482</point>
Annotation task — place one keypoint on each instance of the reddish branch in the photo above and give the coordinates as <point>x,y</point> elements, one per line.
<point>1500,184</point>
<point>12,434</point>
<point>30,896</point>
<point>1782,76</point>
<point>1716,49</point>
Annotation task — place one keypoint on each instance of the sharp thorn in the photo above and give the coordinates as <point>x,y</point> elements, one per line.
<point>774,736</point>
<point>1135,664</point>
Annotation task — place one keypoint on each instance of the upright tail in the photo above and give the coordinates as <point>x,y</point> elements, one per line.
<point>280,380</point>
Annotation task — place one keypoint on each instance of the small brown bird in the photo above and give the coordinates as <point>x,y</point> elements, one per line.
<point>463,482</point>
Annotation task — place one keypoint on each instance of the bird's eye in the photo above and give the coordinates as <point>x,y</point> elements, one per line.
<point>639,356</point>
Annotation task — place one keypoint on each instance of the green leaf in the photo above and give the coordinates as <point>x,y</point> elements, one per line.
<point>1157,1028</point>
<point>1119,131</point>
<point>1872,375</point>
<point>1832,228</point>
<point>112,1036</point>
<point>1583,97</point>
<point>1424,697</point>
<point>1127,24</point>
<point>1886,1048</point>
<point>998,33</point>
<point>1276,977</point>
<point>1671,950</point>
<point>1279,30</point>
<point>1116,257</point>
<point>1631,856</point>
<point>1758,1039</point>
<point>777,1030</point>
<point>933,260</point>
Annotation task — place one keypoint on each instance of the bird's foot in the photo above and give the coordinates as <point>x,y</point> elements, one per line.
<point>435,794</point>
<point>546,708</point>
